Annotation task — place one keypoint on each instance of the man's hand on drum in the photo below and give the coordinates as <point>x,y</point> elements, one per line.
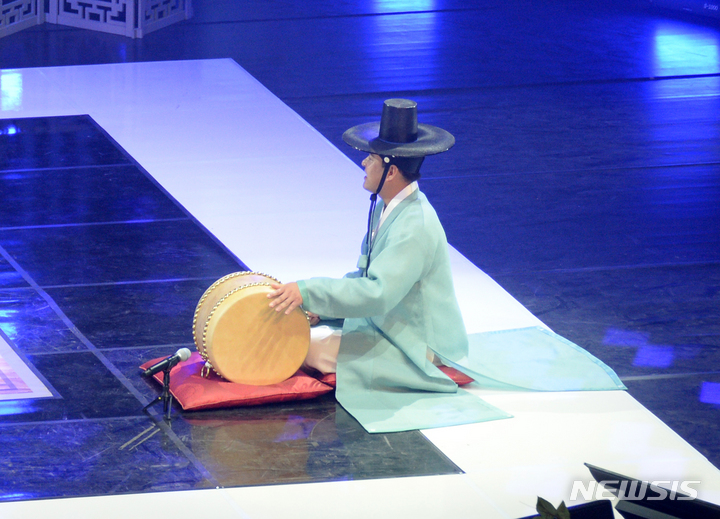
<point>285,297</point>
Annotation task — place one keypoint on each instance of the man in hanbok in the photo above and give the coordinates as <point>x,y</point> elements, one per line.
<point>401,316</point>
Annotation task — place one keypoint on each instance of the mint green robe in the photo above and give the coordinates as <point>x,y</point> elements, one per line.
<point>404,306</point>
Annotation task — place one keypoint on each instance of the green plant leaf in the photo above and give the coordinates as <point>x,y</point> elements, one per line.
<point>562,511</point>
<point>545,509</point>
<point>548,511</point>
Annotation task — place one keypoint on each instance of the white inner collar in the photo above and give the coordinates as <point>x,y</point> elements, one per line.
<point>402,195</point>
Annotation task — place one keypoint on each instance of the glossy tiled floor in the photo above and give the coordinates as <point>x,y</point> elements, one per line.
<point>585,181</point>
<point>108,270</point>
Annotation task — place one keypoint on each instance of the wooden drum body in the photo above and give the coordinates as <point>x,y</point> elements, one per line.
<point>242,338</point>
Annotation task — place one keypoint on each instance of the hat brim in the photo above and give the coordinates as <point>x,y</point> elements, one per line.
<point>430,140</point>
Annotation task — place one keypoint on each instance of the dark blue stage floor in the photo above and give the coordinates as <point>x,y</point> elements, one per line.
<point>585,181</point>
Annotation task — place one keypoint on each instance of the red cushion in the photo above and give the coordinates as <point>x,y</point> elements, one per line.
<point>456,376</point>
<point>194,392</point>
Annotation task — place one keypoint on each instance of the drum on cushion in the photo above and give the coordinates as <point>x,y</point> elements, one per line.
<point>244,340</point>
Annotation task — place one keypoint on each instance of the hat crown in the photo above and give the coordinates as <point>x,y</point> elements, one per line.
<point>399,121</point>
<point>398,133</point>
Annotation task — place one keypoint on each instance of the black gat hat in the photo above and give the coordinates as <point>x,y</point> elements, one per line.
<point>398,133</point>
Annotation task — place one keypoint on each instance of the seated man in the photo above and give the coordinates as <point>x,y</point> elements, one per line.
<point>403,287</point>
<point>400,311</point>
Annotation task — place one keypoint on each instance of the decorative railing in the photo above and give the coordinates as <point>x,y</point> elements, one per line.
<point>131,18</point>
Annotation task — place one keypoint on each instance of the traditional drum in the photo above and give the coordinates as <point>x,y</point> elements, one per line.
<point>244,340</point>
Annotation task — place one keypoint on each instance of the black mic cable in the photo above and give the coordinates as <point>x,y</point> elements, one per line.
<point>373,202</point>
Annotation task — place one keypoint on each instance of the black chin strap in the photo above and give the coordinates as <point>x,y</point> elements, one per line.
<point>373,202</point>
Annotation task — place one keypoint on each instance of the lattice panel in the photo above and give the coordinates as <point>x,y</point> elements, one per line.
<point>132,18</point>
<point>18,14</point>
<point>113,12</point>
<point>156,14</point>
<point>156,10</point>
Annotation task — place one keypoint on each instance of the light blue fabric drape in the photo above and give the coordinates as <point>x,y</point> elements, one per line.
<point>533,359</point>
<point>386,392</point>
<point>405,306</point>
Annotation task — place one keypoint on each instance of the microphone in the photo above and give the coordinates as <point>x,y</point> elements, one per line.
<point>181,355</point>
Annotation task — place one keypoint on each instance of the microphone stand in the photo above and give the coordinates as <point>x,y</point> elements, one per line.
<point>165,397</point>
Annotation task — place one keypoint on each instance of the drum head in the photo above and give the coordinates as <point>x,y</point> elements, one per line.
<point>215,293</point>
<point>248,342</point>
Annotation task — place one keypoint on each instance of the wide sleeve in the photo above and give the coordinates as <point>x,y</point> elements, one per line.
<point>400,261</point>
